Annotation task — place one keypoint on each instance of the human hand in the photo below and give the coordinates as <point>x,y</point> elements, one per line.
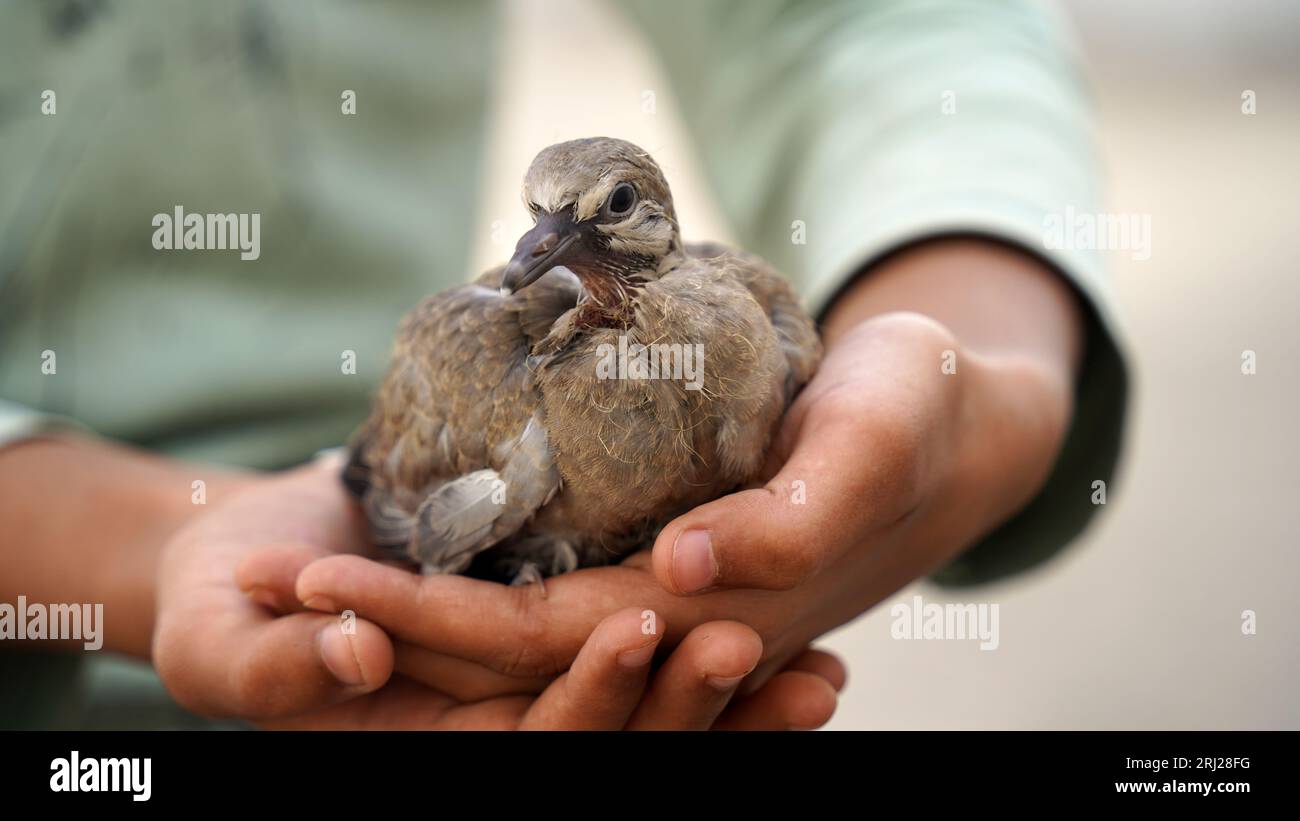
<point>231,641</point>
<point>221,652</point>
<point>885,468</point>
<point>609,686</point>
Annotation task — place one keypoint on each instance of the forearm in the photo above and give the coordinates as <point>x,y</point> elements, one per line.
<point>83,521</point>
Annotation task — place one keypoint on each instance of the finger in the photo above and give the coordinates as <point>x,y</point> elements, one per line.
<point>248,664</point>
<point>405,705</point>
<point>821,663</point>
<point>306,659</point>
<point>463,680</point>
<point>269,574</point>
<point>606,681</point>
<point>817,662</point>
<point>512,630</point>
<point>818,505</point>
<point>694,685</point>
<point>792,700</point>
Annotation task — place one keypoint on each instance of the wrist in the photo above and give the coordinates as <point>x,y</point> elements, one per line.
<point>988,423</point>
<point>1015,414</point>
<point>93,517</point>
<point>1014,340</point>
<point>995,298</point>
<point>164,505</point>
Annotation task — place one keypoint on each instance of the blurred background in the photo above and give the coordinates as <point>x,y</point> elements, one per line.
<point>1136,625</point>
<point>1139,623</point>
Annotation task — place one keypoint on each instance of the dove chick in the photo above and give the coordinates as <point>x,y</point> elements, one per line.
<point>560,410</point>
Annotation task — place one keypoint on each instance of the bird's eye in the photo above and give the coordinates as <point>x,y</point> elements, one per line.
<point>621,199</point>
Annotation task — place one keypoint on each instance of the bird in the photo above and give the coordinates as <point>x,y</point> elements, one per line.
<point>557,411</point>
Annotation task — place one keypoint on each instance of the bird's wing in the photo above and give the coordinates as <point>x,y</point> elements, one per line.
<point>454,457</point>
<point>798,334</point>
<point>538,308</point>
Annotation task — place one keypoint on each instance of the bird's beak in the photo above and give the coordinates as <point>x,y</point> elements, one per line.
<point>538,251</point>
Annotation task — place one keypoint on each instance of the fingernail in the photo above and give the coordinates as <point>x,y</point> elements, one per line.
<point>336,651</point>
<point>694,568</point>
<point>264,597</point>
<point>321,603</point>
<point>724,683</point>
<point>639,657</point>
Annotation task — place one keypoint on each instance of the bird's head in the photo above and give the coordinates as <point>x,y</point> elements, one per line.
<point>603,210</point>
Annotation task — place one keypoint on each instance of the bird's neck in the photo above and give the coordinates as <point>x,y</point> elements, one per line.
<point>608,300</point>
<point>611,287</point>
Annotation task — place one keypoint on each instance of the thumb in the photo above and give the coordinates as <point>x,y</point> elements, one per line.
<point>241,661</point>
<point>836,487</point>
<point>303,661</point>
<point>268,574</point>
